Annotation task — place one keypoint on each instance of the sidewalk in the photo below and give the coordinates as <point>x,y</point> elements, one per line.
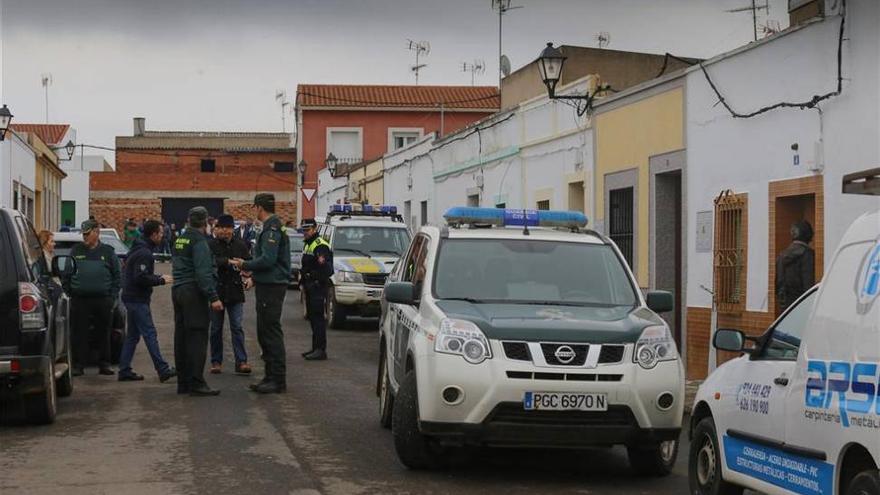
<point>690,390</point>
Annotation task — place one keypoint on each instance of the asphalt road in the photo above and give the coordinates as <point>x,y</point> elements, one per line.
<point>323,436</point>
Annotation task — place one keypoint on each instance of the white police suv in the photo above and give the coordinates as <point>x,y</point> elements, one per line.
<point>517,328</point>
<point>799,412</point>
<point>366,241</point>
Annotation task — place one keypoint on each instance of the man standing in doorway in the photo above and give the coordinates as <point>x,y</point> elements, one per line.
<point>231,287</point>
<point>795,266</point>
<point>194,295</point>
<point>137,291</point>
<point>94,289</point>
<point>317,268</point>
<point>271,274</point>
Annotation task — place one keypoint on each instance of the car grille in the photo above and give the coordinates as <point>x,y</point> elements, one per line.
<point>517,350</point>
<point>611,354</point>
<point>567,377</point>
<point>580,354</point>
<point>375,278</point>
<point>513,412</point>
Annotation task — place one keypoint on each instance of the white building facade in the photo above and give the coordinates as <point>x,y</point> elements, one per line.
<point>75,187</point>
<point>17,174</point>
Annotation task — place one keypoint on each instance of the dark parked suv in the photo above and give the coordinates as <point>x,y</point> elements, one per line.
<point>35,357</point>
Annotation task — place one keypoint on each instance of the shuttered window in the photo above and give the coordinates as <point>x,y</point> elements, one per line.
<point>730,251</point>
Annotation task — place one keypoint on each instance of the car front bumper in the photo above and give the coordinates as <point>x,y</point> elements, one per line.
<point>491,410</point>
<point>358,294</point>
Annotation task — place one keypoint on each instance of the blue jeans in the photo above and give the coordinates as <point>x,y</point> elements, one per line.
<point>140,324</point>
<point>235,312</point>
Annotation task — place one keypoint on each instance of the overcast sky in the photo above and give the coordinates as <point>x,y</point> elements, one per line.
<point>216,64</point>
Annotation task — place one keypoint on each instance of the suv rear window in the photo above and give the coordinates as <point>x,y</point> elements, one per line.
<point>532,272</point>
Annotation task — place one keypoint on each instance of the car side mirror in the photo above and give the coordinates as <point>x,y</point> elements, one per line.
<point>63,266</point>
<point>660,301</point>
<point>729,340</point>
<point>400,293</point>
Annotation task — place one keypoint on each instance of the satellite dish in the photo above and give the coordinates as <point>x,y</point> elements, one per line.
<point>505,65</point>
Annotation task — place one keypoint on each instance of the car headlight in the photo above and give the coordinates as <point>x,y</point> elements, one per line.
<point>655,345</point>
<point>463,338</point>
<point>350,277</point>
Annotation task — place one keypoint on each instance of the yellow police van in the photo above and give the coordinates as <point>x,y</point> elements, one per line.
<point>366,241</point>
<point>799,411</point>
<point>519,328</point>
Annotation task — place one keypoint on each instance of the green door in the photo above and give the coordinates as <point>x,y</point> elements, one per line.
<point>68,213</point>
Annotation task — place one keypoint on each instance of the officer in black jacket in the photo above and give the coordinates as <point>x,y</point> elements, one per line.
<point>230,286</point>
<point>137,291</point>
<point>194,295</point>
<point>317,268</point>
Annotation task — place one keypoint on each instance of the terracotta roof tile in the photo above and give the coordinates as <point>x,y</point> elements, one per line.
<point>452,97</point>
<point>51,134</point>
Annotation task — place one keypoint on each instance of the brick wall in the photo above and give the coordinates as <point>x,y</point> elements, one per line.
<point>753,323</point>
<point>113,212</point>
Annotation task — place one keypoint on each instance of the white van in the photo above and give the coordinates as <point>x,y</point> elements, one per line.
<point>799,411</point>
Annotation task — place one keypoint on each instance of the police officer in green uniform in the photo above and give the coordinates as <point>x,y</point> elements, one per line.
<point>194,295</point>
<point>317,268</point>
<point>270,267</point>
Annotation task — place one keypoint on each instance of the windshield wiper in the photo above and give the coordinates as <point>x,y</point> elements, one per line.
<point>358,251</point>
<point>395,253</point>
<point>465,299</point>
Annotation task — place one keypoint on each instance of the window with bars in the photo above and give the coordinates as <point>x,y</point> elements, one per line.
<point>621,221</point>
<point>730,251</point>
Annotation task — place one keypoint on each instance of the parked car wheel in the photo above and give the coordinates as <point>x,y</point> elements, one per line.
<point>386,398</point>
<point>65,383</point>
<point>653,460</point>
<point>41,408</point>
<point>865,483</point>
<point>335,312</point>
<point>704,463</point>
<point>415,450</point>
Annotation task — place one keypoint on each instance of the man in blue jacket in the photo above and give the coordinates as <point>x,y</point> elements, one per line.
<point>139,279</point>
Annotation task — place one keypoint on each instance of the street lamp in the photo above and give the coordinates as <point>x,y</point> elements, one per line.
<point>331,163</point>
<point>550,63</point>
<point>301,167</point>
<point>5,119</point>
<point>71,148</point>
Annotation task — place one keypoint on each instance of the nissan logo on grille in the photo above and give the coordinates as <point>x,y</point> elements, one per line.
<point>564,354</point>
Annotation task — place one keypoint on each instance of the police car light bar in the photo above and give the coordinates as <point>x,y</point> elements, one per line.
<point>515,217</point>
<point>365,210</point>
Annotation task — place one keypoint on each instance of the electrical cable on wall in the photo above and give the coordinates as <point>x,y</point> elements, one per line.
<point>812,103</point>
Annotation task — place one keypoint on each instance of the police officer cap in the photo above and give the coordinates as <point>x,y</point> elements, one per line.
<point>225,221</point>
<point>88,226</point>
<point>266,200</point>
<point>198,216</point>
<point>309,223</point>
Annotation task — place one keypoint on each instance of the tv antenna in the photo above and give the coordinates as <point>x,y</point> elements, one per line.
<point>502,6</point>
<point>421,48</point>
<point>281,98</point>
<point>603,39</point>
<point>505,65</point>
<point>46,81</point>
<point>477,67</point>
<point>754,8</point>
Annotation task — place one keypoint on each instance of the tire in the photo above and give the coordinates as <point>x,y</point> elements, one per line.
<point>865,483</point>
<point>654,460</point>
<point>386,397</point>
<point>704,463</point>
<point>415,451</point>
<point>42,408</point>
<point>335,312</point>
<point>65,383</point>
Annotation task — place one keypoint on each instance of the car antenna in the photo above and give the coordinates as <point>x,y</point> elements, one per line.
<point>525,222</point>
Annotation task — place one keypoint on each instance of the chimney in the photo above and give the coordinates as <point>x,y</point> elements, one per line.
<point>801,11</point>
<point>140,126</point>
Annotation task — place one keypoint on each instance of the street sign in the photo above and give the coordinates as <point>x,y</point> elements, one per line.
<point>309,194</point>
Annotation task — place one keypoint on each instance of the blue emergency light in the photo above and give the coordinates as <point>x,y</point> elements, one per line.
<point>511,217</point>
<point>370,210</point>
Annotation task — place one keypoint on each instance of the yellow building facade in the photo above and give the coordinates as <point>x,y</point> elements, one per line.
<point>629,131</point>
<point>47,185</point>
<point>365,183</point>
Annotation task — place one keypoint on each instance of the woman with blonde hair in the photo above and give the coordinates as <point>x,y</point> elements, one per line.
<point>47,242</point>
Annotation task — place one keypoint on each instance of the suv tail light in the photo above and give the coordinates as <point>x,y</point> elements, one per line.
<point>30,305</point>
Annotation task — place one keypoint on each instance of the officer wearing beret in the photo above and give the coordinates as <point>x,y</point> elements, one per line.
<point>317,268</point>
<point>194,295</point>
<point>271,274</point>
